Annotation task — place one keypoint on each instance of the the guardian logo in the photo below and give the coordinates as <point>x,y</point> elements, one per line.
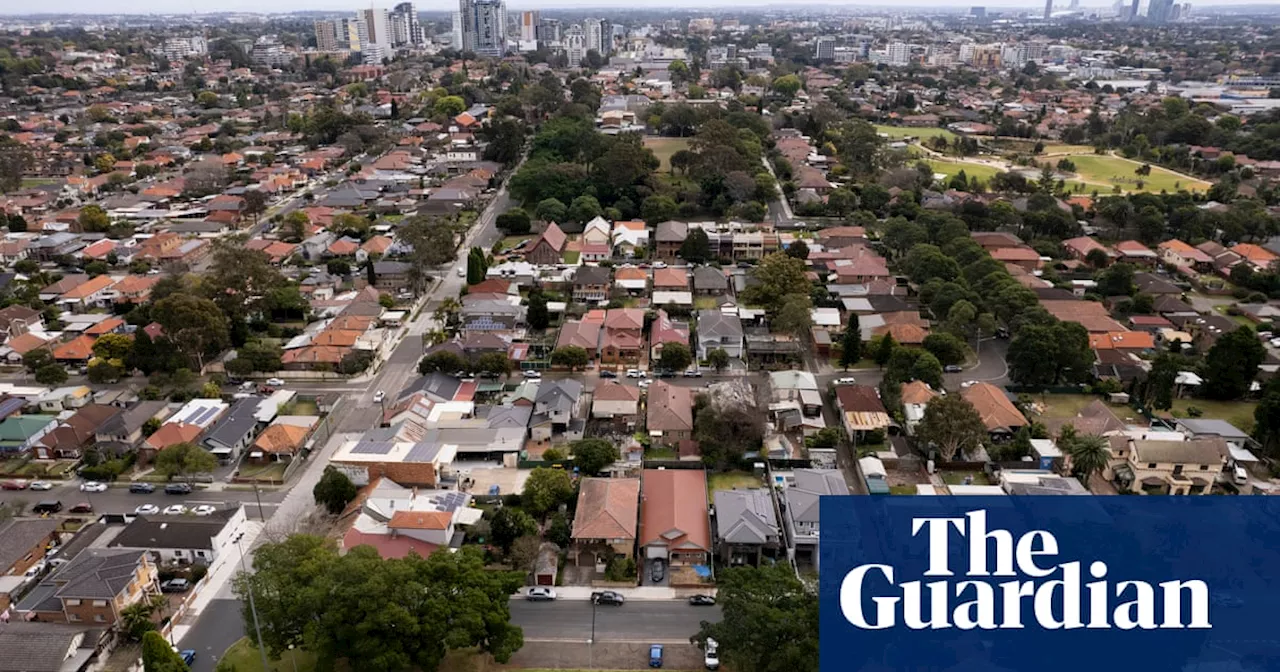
<point>1041,592</point>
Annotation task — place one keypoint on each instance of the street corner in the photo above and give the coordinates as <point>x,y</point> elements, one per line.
<point>567,655</point>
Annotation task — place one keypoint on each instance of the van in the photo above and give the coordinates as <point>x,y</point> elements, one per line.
<point>50,506</point>
<point>1240,476</point>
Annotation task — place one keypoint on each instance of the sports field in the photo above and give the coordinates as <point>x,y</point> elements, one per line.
<point>1098,171</point>
<point>951,168</point>
<point>925,133</point>
<point>663,148</point>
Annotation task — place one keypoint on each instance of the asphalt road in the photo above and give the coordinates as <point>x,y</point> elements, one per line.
<point>120,500</point>
<point>568,620</point>
<point>218,627</point>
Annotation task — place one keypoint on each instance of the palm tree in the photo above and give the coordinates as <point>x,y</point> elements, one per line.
<point>1089,455</point>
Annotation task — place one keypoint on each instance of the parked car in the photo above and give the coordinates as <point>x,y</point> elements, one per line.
<point>49,506</point>
<point>93,486</point>
<point>82,507</point>
<point>175,510</point>
<point>275,382</point>
<point>658,571</point>
<point>13,485</point>
<point>147,510</point>
<point>953,368</point>
<point>379,396</point>
<point>141,488</point>
<point>608,374</point>
<point>635,373</point>
<point>35,570</point>
<point>175,586</point>
<point>846,381</point>
<point>1240,476</point>
<point>711,656</point>
<point>188,657</point>
<point>204,510</point>
<point>655,655</point>
<point>702,601</point>
<point>41,485</point>
<point>532,373</point>
<point>608,597</point>
<point>540,594</point>
<point>693,373</point>
<point>644,383</point>
<point>177,489</point>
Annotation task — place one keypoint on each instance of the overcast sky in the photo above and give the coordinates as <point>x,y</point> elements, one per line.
<point>12,7</point>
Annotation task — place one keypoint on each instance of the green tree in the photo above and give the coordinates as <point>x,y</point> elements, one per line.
<point>1050,353</point>
<point>537,316</point>
<point>779,279</point>
<point>851,343</point>
<point>657,209</point>
<point>334,490</point>
<point>928,370</point>
<point>450,106</point>
<point>1232,363</point>
<point>770,621</point>
<point>295,226</point>
<point>1116,280</point>
<point>112,346</point>
<point>559,532</point>
<point>570,356</point>
<point>584,209</point>
<point>443,361</point>
<point>787,86</point>
<point>675,357</point>
<point>516,221</point>
<point>509,524</point>
<point>1267,418</point>
<point>494,362</point>
<point>1089,455</point>
<point>195,326</point>
<point>696,248</point>
<point>552,210</point>
<point>946,347</point>
<point>546,489</point>
<point>135,619</point>
<point>93,219</point>
<point>158,655</point>
<point>952,426</point>
<point>718,358</point>
<point>592,455</point>
<point>185,460</point>
<point>859,148</point>
<point>884,349</point>
<point>51,374</point>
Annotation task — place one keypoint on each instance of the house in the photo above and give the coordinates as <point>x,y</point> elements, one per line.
<point>123,431</point>
<point>1154,467</point>
<point>670,279</point>
<point>168,435</point>
<point>17,320</point>
<point>746,526</point>
<point>583,334</point>
<point>1136,253</point>
<point>623,339</point>
<point>19,433</point>
<point>666,330</point>
<point>670,413</point>
<point>1150,283</point>
<point>836,237</point>
<point>719,330</point>
<point>1127,342</point>
<point>234,431</point>
<point>674,524</point>
<point>614,401</point>
<point>1023,257</point>
<point>24,542</point>
<point>631,279</point>
<point>800,509</point>
<point>69,439</point>
<point>861,410</point>
<point>604,525</point>
<point>397,520</point>
<point>998,413</point>
<point>596,232</point>
<point>1179,254</point>
<point>392,276</point>
<point>709,281</point>
<point>916,396</point>
<point>556,408</point>
<point>1257,256</point>
<point>668,238</point>
<point>548,248</point>
<point>94,587</point>
<point>1079,248</point>
<point>282,441</point>
<point>182,539</point>
<point>795,400</point>
<point>630,237</point>
<point>49,647</point>
<point>591,284</point>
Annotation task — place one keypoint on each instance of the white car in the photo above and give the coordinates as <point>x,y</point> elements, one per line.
<point>93,486</point>
<point>531,373</point>
<point>540,594</point>
<point>175,510</point>
<point>379,396</point>
<point>711,658</point>
<point>462,272</point>
<point>636,373</point>
<point>645,383</point>
<point>846,381</point>
<point>1239,475</point>
<point>204,510</point>
<point>275,382</point>
<point>40,485</point>
<point>147,510</point>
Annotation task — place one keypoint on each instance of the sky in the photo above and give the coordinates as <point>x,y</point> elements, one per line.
<point>11,7</point>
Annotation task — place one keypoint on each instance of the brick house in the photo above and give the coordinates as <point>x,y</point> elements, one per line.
<point>93,588</point>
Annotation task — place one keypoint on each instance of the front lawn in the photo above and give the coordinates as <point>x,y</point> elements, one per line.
<point>971,170</point>
<point>705,303</point>
<point>1062,405</point>
<point>269,472</point>
<point>571,257</point>
<point>660,453</point>
<point>902,489</point>
<point>243,656</point>
<point>1238,413</point>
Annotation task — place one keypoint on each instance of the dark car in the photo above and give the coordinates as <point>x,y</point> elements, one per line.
<point>175,586</point>
<point>50,506</point>
<point>608,374</point>
<point>188,656</point>
<point>142,488</point>
<point>177,489</point>
<point>658,571</point>
<point>702,601</point>
<point>82,507</point>
<point>608,597</point>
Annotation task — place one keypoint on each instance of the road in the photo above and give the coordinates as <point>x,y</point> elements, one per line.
<point>662,621</point>
<point>120,500</point>
<point>219,626</point>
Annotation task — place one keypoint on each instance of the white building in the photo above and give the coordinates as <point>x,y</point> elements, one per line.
<point>377,24</point>
<point>591,28</point>
<point>575,44</point>
<point>825,49</point>
<point>484,27</point>
<point>899,53</point>
<point>178,48</point>
<point>529,26</point>
<point>268,51</point>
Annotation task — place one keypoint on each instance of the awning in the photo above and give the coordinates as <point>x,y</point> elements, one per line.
<point>1153,480</point>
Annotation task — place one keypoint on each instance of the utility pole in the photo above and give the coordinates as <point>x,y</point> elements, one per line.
<point>258,496</point>
<point>591,643</point>
<point>253,607</point>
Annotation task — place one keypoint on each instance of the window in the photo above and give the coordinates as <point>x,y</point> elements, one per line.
<point>99,603</point>
<point>1204,467</point>
<point>99,618</point>
<point>1151,465</point>
<point>74,618</point>
<point>73,603</point>
<point>177,554</point>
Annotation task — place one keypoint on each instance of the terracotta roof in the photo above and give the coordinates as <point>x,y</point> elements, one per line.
<point>281,438</point>
<point>173,433</point>
<point>675,509</point>
<point>105,327</point>
<point>387,546</point>
<point>1122,340</point>
<point>607,508</point>
<point>79,349</point>
<point>614,391</point>
<point>552,236</point>
<point>25,343</point>
<point>907,334</point>
<point>420,520</point>
<point>917,392</point>
<point>624,318</point>
<point>670,407</point>
<point>670,277</point>
<point>87,289</point>
<point>993,406</point>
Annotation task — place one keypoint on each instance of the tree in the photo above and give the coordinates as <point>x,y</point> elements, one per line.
<point>546,490</point>
<point>494,362</point>
<point>1089,455</point>
<point>334,490</point>
<point>93,219</point>
<point>15,158</point>
<point>1097,258</point>
<point>450,106</point>
<point>552,210</point>
<point>523,553</point>
<point>884,349</point>
<point>559,532</point>
<point>584,209</point>
<point>787,86</point>
<point>592,455</point>
<point>509,524</point>
<point>255,203</point>
<point>851,343</point>
<point>718,358</point>
<point>112,346</point>
<point>696,248</point>
<point>946,347</point>
<point>434,241</point>
<point>51,374</point>
<point>135,619</point>
<point>927,369</point>
<point>657,209</point>
<point>185,460</point>
<point>1117,280</point>
<point>159,656</point>
<point>794,316</point>
<point>798,250</point>
<point>675,357</point>
<point>570,356</point>
<point>1157,390</point>
<point>1232,363</point>
<point>444,361</point>
<point>1050,353</point>
<point>780,279</point>
<point>1267,418</point>
<point>770,621</point>
<point>389,615</point>
<point>538,317</point>
<point>859,148</point>
<point>952,426</point>
<point>516,221</point>
<point>295,226</point>
<point>196,326</point>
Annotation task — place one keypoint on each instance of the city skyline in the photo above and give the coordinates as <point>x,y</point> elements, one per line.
<point>175,7</point>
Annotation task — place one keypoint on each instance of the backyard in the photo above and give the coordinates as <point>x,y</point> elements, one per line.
<point>897,132</point>
<point>1238,413</point>
<point>731,481</point>
<point>663,148</point>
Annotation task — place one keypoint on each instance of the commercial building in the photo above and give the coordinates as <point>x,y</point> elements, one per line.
<point>484,27</point>
<point>377,24</point>
<point>575,44</point>
<point>529,23</point>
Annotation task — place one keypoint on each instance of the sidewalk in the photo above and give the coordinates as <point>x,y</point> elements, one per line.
<point>218,581</point>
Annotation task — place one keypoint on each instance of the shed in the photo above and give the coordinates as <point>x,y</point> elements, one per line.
<point>547,564</point>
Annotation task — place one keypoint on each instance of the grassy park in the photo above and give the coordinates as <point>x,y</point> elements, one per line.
<point>898,132</point>
<point>1097,170</point>
<point>663,148</point>
<point>951,168</point>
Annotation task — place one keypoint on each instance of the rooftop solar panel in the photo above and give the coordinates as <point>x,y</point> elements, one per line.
<point>367,447</point>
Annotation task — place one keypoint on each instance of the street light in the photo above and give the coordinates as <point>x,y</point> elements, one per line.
<point>591,643</point>
<point>253,607</point>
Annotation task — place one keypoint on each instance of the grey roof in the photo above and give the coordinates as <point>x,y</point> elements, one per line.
<point>437,387</point>
<point>745,516</point>
<point>391,267</point>
<point>172,532</point>
<point>505,416</point>
<point>671,232</point>
<point>43,647</point>
<point>558,394</point>
<point>709,279</point>
<point>811,484</point>
<point>95,574</point>
<point>19,536</point>
<point>234,425</point>
<point>715,324</point>
<point>1213,427</point>
<point>591,275</point>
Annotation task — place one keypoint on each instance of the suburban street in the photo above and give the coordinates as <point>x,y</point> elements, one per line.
<point>570,620</point>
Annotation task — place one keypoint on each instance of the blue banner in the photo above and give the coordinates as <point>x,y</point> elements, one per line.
<point>1050,584</point>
